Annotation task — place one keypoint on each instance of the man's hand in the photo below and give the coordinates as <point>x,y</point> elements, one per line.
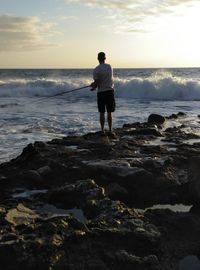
<point>93,85</point>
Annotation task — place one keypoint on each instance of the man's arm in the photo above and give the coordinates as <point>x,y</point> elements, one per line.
<point>95,83</point>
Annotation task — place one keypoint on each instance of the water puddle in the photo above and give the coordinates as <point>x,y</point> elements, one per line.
<point>191,141</point>
<point>24,215</point>
<point>51,211</point>
<point>174,208</point>
<point>160,141</point>
<point>190,262</point>
<point>23,194</point>
<point>72,147</point>
<point>75,147</point>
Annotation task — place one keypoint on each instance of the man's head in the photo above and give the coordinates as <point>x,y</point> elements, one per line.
<point>101,57</point>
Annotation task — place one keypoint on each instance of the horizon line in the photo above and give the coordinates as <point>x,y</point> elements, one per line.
<point>93,67</point>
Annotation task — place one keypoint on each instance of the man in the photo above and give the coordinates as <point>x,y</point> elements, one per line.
<point>103,81</point>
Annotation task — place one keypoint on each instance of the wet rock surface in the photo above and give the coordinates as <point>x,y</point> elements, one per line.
<point>84,202</point>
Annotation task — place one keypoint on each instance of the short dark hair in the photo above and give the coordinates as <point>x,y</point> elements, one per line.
<point>101,56</point>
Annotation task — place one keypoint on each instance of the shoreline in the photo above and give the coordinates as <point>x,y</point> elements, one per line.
<point>78,202</point>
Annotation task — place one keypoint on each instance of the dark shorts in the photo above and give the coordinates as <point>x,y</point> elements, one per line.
<point>106,101</point>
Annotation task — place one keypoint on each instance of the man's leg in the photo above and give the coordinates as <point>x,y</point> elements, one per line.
<point>110,107</point>
<point>102,121</point>
<point>109,118</point>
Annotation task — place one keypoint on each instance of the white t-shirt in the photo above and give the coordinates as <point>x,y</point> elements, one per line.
<point>104,74</point>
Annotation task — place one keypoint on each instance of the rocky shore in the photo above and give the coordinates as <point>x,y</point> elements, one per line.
<point>92,202</point>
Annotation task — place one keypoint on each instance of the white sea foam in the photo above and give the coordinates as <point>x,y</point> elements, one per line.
<point>37,87</point>
<point>163,86</point>
<point>159,85</point>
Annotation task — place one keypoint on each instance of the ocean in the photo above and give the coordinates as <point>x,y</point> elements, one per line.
<point>29,112</point>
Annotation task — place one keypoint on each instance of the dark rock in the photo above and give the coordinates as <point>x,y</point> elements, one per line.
<point>173,116</point>
<point>156,119</point>
<point>152,261</point>
<point>8,255</point>
<point>181,114</point>
<point>194,179</point>
<point>44,171</point>
<point>116,192</point>
<point>176,115</point>
<point>98,265</point>
<point>69,196</point>
<point>137,182</point>
<point>172,129</point>
<point>149,262</point>
<point>32,178</point>
<point>145,131</point>
<point>9,237</point>
<point>91,209</point>
<point>40,144</point>
<point>125,257</point>
<point>133,125</point>
<point>2,179</point>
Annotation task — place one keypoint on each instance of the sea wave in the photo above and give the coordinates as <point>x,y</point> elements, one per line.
<point>38,87</point>
<point>159,86</point>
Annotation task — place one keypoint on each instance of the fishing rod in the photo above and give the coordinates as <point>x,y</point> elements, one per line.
<point>64,92</point>
<point>69,91</point>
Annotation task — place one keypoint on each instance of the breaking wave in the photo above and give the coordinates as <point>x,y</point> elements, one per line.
<point>37,87</point>
<point>159,86</point>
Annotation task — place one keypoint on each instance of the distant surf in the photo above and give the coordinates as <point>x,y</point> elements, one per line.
<point>164,84</point>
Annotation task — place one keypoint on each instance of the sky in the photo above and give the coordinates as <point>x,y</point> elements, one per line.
<point>70,33</point>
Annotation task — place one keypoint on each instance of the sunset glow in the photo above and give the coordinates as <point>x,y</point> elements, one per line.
<point>69,33</point>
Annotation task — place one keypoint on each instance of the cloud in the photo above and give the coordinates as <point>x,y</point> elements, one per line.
<point>133,13</point>
<point>24,33</point>
<point>67,18</point>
